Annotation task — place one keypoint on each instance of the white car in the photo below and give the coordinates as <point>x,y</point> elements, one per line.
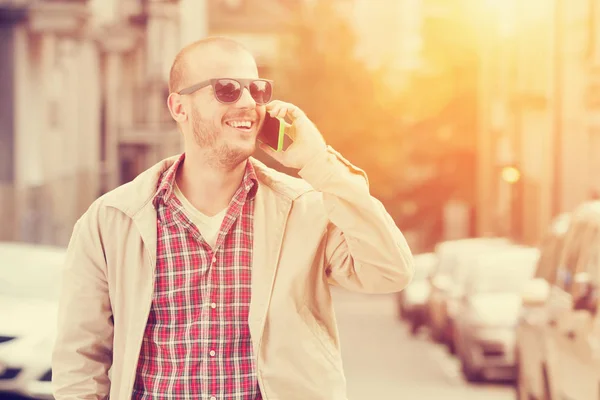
<point>485,331</point>
<point>29,289</point>
<point>412,301</point>
<point>452,256</point>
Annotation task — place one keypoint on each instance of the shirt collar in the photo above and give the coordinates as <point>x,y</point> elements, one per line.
<point>166,182</point>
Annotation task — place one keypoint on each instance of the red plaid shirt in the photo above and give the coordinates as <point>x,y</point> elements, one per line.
<point>197,341</point>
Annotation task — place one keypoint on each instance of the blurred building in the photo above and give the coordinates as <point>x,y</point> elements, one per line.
<point>538,129</point>
<point>140,44</point>
<point>136,47</point>
<point>440,118</point>
<point>49,118</point>
<point>83,105</point>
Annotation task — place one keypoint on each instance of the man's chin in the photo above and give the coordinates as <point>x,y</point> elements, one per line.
<point>234,155</point>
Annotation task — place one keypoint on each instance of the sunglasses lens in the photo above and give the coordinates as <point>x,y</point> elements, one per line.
<point>227,90</point>
<point>261,91</point>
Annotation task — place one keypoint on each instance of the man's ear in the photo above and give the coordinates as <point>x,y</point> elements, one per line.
<point>176,107</point>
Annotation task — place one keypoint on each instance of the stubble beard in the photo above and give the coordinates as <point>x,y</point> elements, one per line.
<point>220,155</point>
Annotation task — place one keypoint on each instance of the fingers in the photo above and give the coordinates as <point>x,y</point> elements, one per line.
<point>281,109</point>
<point>277,111</point>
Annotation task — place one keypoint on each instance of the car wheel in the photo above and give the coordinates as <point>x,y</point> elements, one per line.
<point>451,347</point>
<point>435,333</point>
<point>520,384</point>
<point>547,394</point>
<point>400,308</point>
<point>470,374</point>
<point>415,325</point>
<point>449,337</point>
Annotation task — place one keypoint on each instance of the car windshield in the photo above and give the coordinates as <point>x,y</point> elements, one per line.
<point>503,275</point>
<point>451,254</point>
<point>497,282</point>
<point>31,276</point>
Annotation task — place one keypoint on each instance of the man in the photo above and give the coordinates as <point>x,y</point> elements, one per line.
<point>207,277</point>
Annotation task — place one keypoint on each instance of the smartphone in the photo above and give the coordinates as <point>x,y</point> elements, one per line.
<point>273,134</point>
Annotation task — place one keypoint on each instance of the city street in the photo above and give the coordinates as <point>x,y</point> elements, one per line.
<point>476,125</point>
<point>383,361</point>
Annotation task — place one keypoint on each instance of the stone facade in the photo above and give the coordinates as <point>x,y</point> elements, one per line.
<point>538,113</point>
<point>49,128</point>
<point>83,96</point>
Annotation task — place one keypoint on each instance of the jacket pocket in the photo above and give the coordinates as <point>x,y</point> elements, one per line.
<point>321,335</point>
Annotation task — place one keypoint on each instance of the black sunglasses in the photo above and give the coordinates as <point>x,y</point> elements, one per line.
<point>228,90</point>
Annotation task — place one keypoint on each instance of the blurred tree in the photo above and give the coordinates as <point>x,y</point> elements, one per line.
<point>352,106</point>
<point>442,105</point>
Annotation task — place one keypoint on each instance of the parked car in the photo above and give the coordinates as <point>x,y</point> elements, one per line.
<point>29,290</point>
<point>465,265</point>
<point>532,376</point>
<point>412,301</point>
<point>451,255</point>
<point>572,332</point>
<point>485,325</point>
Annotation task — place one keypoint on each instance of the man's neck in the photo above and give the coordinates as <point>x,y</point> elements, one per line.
<point>207,187</point>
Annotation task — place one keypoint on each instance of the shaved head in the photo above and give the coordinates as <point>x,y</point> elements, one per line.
<point>209,125</point>
<point>204,51</point>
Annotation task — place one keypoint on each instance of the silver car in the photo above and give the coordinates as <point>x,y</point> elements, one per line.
<point>412,301</point>
<point>485,325</point>
<point>29,290</point>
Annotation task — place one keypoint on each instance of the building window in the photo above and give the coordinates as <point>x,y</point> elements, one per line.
<point>56,84</point>
<point>132,161</point>
<point>54,120</point>
<point>593,32</point>
<point>103,129</point>
<point>594,163</point>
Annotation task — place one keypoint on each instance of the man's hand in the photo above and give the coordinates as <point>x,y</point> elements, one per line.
<point>307,140</point>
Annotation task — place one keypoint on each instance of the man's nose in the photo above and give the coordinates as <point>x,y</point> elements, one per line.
<point>246,100</point>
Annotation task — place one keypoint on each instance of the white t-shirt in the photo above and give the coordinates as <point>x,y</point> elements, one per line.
<point>209,227</point>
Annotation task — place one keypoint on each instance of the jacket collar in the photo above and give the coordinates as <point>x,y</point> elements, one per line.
<point>132,197</point>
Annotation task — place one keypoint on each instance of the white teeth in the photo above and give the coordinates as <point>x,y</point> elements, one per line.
<point>240,124</point>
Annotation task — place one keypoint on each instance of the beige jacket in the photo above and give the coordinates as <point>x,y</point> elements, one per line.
<point>309,233</point>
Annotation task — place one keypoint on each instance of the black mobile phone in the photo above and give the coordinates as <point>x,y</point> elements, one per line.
<point>273,134</point>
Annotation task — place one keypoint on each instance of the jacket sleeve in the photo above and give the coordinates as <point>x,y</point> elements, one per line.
<point>82,352</point>
<point>365,250</point>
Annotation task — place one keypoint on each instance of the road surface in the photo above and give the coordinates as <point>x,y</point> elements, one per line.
<point>384,362</point>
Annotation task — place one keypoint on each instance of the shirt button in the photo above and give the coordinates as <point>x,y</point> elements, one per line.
<point>214,259</point>
<point>213,305</point>
<point>213,398</point>
<point>212,353</point>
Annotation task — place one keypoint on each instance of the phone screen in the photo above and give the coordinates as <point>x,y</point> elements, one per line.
<point>269,133</point>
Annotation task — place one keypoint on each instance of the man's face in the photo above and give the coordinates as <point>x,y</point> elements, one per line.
<point>226,133</point>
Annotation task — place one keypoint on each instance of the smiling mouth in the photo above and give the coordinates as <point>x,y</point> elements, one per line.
<point>244,126</point>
